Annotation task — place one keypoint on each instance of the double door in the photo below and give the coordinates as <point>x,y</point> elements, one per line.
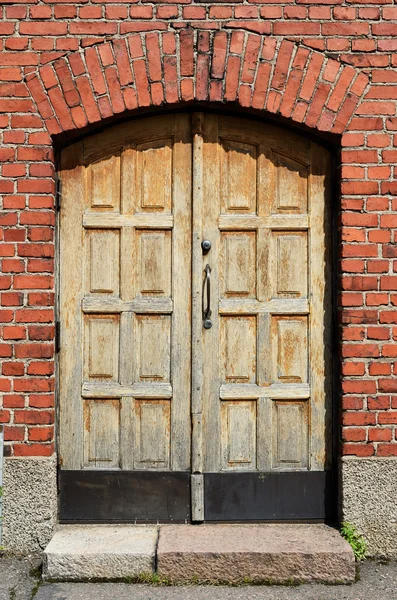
<point>194,323</point>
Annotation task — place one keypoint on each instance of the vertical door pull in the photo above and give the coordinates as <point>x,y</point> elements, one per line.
<point>207,310</point>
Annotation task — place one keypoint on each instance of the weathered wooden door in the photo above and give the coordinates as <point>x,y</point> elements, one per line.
<point>125,272</point>
<point>265,400</point>
<point>193,377</point>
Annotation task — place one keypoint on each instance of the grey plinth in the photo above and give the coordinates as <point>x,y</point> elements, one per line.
<point>233,553</point>
<point>100,552</point>
<point>29,503</point>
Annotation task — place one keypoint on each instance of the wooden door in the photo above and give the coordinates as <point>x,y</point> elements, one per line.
<point>167,413</point>
<point>265,396</point>
<point>125,272</point>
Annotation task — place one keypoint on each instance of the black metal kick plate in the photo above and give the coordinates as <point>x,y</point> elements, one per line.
<point>299,495</point>
<point>124,496</point>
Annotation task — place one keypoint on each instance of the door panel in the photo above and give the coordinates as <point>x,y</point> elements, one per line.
<point>265,395</point>
<point>224,422</point>
<point>125,272</point>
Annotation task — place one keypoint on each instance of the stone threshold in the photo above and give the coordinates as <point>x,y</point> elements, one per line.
<point>216,553</point>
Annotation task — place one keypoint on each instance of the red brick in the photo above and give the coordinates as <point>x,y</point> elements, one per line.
<point>379,403</point>
<point>354,434</point>
<point>33,384</point>
<point>379,435</point>
<point>388,282</point>
<point>40,368</point>
<point>13,401</point>
<point>153,53</point>
<point>389,350</point>
<point>14,434</point>
<point>40,434</point>
<point>11,299</point>
<point>360,350</point>
<point>358,418</point>
<point>219,55</point>
<point>5,350</point>
<point>170,79</point>
<point>353,369</point>
<point>34,417</point>
<point>42,29</point>
<point>377,266</point>
<point>90,28</point>
<point>387,450</point>
<point>41,298</point>
<point>41,400</point>
<point>33,449</point>
<point>95,71</point>
<point>378,333</point>
<point>388,385</point>
<point>360,386</point>
<point>379,369</point>
<point>34,350</point>
<point>142,83</point>
<point>34,315</point>
<point>41,332</point>
<point>232,78</point>
<point>116,96</point>
<point>282,65</point>
<point>376,108</point>
<point>310,80</point>
<point>14,369</point>
<point>362,450</point>
<point>123,61</point>
<point>388,316</point>
<point>352,403</point>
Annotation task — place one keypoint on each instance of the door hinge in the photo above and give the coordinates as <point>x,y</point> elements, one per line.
<point>57,336</point>
<point>58,193</point>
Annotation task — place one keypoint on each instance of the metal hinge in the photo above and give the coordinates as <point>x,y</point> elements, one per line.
<point>57,336</point>
<point>58,193</point>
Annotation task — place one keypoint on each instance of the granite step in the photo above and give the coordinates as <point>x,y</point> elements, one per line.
<point>218,553</point>
<point>105,552</point>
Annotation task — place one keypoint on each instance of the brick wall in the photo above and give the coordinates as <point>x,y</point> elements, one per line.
<point>48,86</point>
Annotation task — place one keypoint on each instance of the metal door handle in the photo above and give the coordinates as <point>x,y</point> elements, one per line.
<point>207,311</point>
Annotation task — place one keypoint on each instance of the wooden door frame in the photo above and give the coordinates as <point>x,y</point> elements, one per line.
<point>332,478</point>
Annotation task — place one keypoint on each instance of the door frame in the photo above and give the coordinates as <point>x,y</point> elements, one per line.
<point>331,510</point>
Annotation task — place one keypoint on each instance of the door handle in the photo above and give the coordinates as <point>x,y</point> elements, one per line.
<point>207,310</point>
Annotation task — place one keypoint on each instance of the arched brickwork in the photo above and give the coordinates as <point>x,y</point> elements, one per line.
<point>151,69</point>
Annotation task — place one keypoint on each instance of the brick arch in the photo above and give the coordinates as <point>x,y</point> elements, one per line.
<point>250,70</point>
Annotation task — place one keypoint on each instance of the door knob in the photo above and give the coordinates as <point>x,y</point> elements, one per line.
<point>206,246</point>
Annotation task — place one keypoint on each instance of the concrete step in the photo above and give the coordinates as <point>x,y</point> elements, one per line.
<point>211,553</point>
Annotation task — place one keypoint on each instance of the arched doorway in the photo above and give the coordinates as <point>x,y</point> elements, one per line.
<point>194,378</point>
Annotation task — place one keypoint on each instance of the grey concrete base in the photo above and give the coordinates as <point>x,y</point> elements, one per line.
<point>369,501</point>
<point>29,503</point>
<point>100,552</point>
<point>233,553</point>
